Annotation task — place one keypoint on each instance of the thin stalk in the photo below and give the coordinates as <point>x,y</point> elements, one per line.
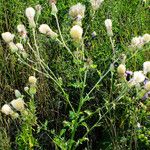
<point>62,39</point>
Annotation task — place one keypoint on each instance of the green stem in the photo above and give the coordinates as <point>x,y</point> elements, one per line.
<point>62,39</point>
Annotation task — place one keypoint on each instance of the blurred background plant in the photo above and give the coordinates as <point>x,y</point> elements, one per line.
<point>130,19</point>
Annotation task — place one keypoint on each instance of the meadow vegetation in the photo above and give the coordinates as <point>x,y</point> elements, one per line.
<point>75,74</point>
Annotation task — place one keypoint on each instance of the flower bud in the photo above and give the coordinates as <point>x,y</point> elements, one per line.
<point>38,8</point>
<point>18,104</point>
<point>108,24</point>
<point>54,9</point>
<point>76,32</point>
<point>13,47</point>
<point>26,89</point>
<point>30,13</point>
<point>20,46</point>
<point>45,29</point>
<point>17,94</point>
<point>147,86</point>
<point>121,69</point>
<point>8,37</point>
<point>6,109</point>
<point>32,80</point>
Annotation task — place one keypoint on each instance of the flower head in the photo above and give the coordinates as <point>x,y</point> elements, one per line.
<point>147,86</point>
<point>137,42</point>
<point>32,80</point>
<point>146,38</point>
<point>77,10</point>
<point>146,67</point>
<point>121,69</point>
<point>6,109</point>
<point>76,32</point>
<point>45,29</point>
<point>18,104</point>
<point>96,4</point>
<point>30,13</point>
<point>20,46</point>
<point>108,25</point>
<point>22,30</point>
<point>8,37</point>
<point>138,77</point>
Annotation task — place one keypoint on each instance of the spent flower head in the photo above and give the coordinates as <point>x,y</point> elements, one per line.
<point>96,4</point>
<point>77,10</point>
<point>8,37</point>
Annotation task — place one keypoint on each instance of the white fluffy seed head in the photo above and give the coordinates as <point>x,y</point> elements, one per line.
<point>146,67</point>
<point>30,13</point>
<point>96,4</point>
<point>18,104</point>
<point>8,37</point>
<point>146,38</point>
<point>6,109</point>
<point>76,32</point>
<point>32,80</point>
<point>138,77</point>
<point>77,10</point>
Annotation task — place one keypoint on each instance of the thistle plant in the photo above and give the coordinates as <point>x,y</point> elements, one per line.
<point>25,113</point>
<point>28,52</point>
